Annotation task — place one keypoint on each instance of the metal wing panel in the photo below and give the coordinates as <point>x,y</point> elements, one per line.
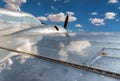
<point>78,49</point>
<point>34,69</point>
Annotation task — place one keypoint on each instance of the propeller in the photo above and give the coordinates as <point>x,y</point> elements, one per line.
<point>65,25</point>
<point>66,22</point>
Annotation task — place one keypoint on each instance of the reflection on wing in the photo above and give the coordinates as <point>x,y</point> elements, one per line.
<point>92,49</point>
<point>78,66</point>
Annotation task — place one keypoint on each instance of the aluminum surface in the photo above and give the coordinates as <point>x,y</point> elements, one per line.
<point>99,50</point>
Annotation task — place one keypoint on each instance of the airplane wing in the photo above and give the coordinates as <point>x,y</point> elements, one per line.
<point>81,56</point>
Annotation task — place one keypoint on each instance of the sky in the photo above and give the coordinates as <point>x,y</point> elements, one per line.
<point>84,15</point>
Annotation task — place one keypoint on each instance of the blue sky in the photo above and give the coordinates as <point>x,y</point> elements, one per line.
<point>85,15</point>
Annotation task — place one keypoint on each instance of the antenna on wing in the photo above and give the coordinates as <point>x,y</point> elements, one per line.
<point>66,22</point>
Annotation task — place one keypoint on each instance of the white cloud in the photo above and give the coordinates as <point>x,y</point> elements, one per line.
<point>42,18</point>
<point>117,20</point>
<point>6,65</point>
<point>113,1</point>
<point>78,46</point>
<point>110,15</point>
<point>14,4</point>
<point>97,21</point>
<point>63,53</point>
<point>60,17</point>
<point>75,47</point>
<point>53,8</point>
<point>72,18</point>
<point>54,0</point>
<point>70,13</point>
<point>118,7</point>
<point>38,3</point>
<point>66,1</point>
<point>94,13</point>
<point>78,25</point>
<point>57,17</point>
